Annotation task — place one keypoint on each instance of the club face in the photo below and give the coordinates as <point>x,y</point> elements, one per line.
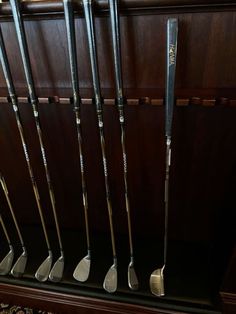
<point>6,263</point>
<point>110,281</point>
<point>132,277</point>
<point>44,269</point>
<point>56,272</point>
<point>157,282</point>
<point>82,270</point>
<point>18,268</point>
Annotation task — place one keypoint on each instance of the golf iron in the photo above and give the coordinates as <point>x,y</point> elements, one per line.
<point>6,262</point>
<point>18,268</point>
<point>110,281</point>
<point>82,270</point>
<point>115,27</point>
<point>43,271</point>
<point>157,277</point>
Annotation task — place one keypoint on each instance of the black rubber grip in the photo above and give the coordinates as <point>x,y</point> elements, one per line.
<point>172,33</point>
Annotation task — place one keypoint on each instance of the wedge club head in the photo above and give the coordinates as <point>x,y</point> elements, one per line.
<point>132,277</point>
<point>6,263</point>
<point>56,272</point>
<point>157,282</point>
<point>18,268</point>
<point>82,270</point>
<point>44,269</point>
<point>110,281</point>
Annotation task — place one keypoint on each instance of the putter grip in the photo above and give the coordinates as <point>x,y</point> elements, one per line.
<point>172,33</point>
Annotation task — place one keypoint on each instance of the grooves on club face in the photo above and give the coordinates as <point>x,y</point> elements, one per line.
<point>56,272</point>
<point>44,269</point>
<point>82,270</point>
<point>157,282</point>
<point>132,277</point>
<point>110,281</point>
<point>6,263</point>
<point>18,268</point>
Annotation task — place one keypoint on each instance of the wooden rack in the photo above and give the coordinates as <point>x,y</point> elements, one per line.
<point>203,176</point>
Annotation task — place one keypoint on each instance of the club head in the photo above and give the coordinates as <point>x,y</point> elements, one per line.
<point>44,269</point>
<point>56,272</point>
<point>157,282</point>
<point>81,272</point>
<point>6,263</point>
<point>132,277</point>
<point>110,281</point>
<point>18,268</point>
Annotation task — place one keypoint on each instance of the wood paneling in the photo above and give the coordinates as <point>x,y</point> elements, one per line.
<point>205,63</point>
<point>203,170</point>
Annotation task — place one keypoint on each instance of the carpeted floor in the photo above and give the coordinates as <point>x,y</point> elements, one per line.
<point>15,309</point>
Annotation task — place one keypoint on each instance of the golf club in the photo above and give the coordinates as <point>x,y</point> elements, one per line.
<point>6,263</point>
<point>110,281</point>
<point>82,270</point>
<point>157,277</point>
<point>56,272</point>
<point>43,271</point>
<point>18,268</point>
<point>115,27</point>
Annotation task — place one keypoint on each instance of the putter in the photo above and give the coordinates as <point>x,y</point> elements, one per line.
<point>110,281</point>
<point>57,270</point>
<point>115,27</point>
<point>6,263</point>
<point>43,272</point>
<point>18,268</point>
<point>157,277</point>
<point>82,270</point>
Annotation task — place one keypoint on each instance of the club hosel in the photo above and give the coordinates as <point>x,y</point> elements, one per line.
<point>115,260</point>
<point>89,253</point>
<point>62,253</point>
<point>131,258</point>
<point>24,250</point>
<point>50,252</point>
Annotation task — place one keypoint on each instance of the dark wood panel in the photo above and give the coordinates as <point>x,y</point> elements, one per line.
<point>203,172</point>
<point>205,64</point>
<point>138,6</point>
<point>200,147</point>
<point>228,289</point>
<point>67,303</point>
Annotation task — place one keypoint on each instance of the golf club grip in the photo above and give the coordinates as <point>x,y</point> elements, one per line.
<point>70,29</point>
<point>6,67</point>
<point>20,30</point>
<point>93,53</point>
<point>115,27</point>
<point>172,33</point>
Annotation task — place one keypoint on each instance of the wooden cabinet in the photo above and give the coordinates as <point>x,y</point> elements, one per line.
<point>201,263</point>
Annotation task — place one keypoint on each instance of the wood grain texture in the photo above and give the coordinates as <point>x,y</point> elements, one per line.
<point>205,65</point>
<point>55,7</point>
<point>203,159</point>
<point>61,303</point>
